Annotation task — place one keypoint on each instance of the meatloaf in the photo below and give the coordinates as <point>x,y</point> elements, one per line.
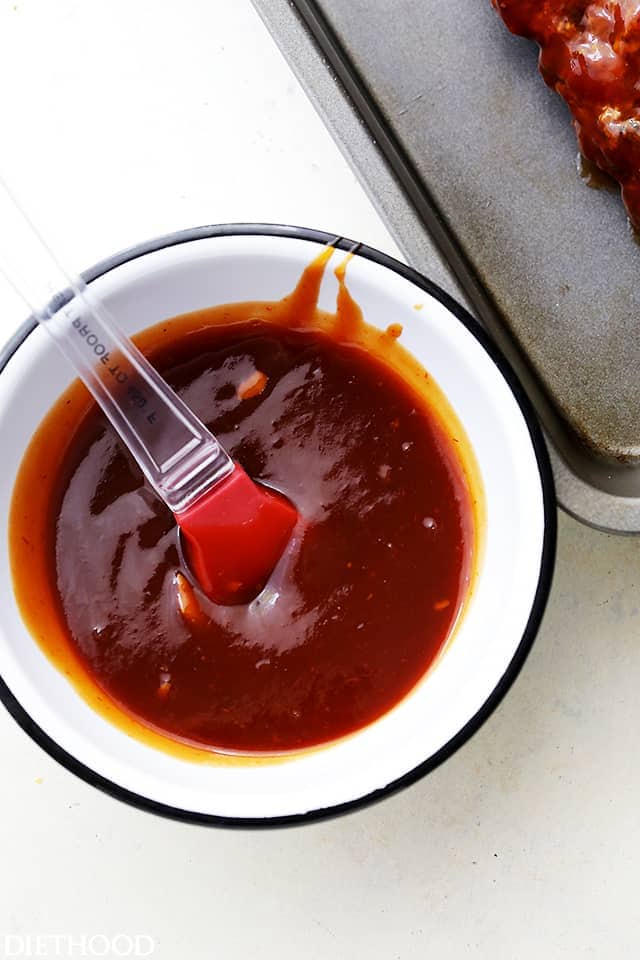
<point>590,54</point>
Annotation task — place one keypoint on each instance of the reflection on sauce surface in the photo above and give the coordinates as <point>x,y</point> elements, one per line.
<point>371,582</point>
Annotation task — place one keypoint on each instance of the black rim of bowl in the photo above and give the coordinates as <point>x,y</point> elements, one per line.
<point>547,559</point>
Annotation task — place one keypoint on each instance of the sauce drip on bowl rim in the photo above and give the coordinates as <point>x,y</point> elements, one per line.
<point>321,407</point>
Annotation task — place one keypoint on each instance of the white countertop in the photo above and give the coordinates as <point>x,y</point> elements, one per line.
<point>524,844</point>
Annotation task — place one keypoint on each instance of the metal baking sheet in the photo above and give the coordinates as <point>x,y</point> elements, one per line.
<point>471,145</point>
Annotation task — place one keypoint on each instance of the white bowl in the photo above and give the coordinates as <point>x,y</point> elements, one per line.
<point>201,267</point>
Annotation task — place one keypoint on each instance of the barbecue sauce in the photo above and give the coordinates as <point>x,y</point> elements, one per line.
<point>335,415</point>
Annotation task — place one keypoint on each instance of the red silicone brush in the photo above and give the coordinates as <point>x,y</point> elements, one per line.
<point>234,530</point>
<point>234,535</point>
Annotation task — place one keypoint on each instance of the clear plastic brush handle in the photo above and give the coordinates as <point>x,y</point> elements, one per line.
<point>178,455</point>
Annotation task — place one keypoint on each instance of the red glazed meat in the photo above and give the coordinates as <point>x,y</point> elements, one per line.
<point>590,54</point>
